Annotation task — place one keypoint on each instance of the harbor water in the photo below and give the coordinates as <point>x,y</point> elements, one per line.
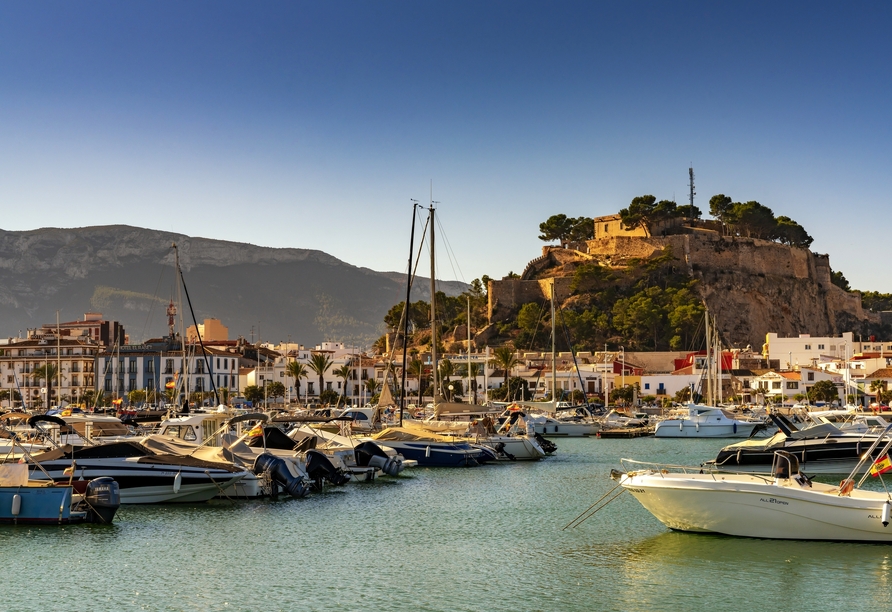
<point>486,538</point>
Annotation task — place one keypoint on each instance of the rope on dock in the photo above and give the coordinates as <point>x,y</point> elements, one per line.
<point>591,510</point>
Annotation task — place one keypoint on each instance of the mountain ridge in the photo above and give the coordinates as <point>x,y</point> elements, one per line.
<point>126,273</point>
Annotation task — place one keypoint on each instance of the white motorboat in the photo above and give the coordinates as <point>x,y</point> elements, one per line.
<point>783,505</point>
<point>706,422</point>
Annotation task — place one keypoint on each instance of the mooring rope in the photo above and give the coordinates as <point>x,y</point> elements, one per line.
<point>591,510</point>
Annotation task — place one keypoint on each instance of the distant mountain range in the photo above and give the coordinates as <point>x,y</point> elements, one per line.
<point>127,274</point>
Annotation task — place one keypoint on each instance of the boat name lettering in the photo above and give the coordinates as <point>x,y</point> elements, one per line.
<point>772,500</point>
<point>873,516</point>
<point>637,490</point>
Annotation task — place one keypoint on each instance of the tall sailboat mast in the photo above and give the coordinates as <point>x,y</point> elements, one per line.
<point>406,316</point>
<point>433,313</point>
<point>553,356</point>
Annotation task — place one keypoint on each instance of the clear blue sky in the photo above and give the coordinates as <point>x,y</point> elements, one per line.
<point>312,124</point>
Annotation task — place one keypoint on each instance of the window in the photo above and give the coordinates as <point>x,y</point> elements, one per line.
<point>281,374</point>
<point>808,347</point>
<point>647,385</point>
<point>820,347</point>
<point>328,386</point>
<point>218,363</point>
<point>108,385</point>
<point>150,366</point>
<point>775,385</point>
<point>199,367</point>
<point>310,387</point>
<point>832,347</point>
<point>811,375</point>
<point>792,385</point>
<point>168,366</point>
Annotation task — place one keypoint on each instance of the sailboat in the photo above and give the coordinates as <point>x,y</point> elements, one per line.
<point>427,448</point>
<point>708,421</point>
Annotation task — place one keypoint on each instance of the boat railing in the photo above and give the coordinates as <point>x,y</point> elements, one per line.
<point>633,465</point>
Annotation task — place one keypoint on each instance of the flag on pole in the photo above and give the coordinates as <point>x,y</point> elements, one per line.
<point>881,466</point>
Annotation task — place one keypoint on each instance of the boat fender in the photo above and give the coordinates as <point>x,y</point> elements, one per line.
<point>697,426</point>
<point>427,452</point>
<point>16,504</point>
<point>681,426</point>
<point>177,482</point>
<point>734,427</point>
<point>887,507</point>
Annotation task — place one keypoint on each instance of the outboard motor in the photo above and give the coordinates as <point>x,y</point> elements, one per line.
<point>279,473</point>
<point>786,465</point>
<point>319,467</point>
<point>546,445</point>
<point>102,499</point>
<point>370,454</point>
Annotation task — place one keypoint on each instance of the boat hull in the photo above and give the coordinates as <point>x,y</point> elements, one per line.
<point>683,428</point>
<point>753,506</point>
<point>142,483</point>
<point>38,505</point>
<point>437,454</point>
<point>567,430</point>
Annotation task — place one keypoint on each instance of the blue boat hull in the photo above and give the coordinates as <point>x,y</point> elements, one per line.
<point>435,454</point>
<point>38,505</point>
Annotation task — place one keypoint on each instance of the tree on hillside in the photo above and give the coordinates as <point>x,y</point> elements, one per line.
<point>752,220</point>
<point>639,213</point>
<point>583,229</point>
<point>840,281</point>
<point>557,227</point>
<point>719,205</point>
<point>790,232</point>
<point>689,212</point>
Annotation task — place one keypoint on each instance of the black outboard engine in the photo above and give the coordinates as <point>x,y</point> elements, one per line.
<point>786,465</point>
<point>369,454</point>
<point>319,467</point>
<point>102,500</point>
<point>279,473</point>
<point>547,445</point>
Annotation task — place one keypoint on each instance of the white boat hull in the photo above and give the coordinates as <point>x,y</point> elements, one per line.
<point>753,506</point>
<point>684,428</point>
<point>557,429</point>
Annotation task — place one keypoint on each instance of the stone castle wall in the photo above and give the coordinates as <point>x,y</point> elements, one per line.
<point>754,286</point>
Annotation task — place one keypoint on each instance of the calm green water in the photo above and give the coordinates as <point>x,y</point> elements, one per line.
<point>469,539</point>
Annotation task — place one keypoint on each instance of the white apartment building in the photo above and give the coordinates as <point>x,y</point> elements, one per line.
<point>807,350</point>
<point>73,360</point>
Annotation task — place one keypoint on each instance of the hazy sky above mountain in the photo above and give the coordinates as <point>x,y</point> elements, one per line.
<point>312,124</point>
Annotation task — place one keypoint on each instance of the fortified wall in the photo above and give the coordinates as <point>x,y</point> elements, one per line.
<point>753,286</point>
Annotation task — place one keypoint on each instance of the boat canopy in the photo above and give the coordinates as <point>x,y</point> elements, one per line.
<point>405,434</point>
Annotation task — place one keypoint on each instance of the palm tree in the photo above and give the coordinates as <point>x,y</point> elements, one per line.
<point>504,358</point>
<point>343,373</point>
<point>46,372</point>
<point>878,388</point>
<point>320,363</point>
<point>415,370</point>
<point>446,370</point>
<point>297,370</point>
<point>475,371</point>
<point>372,385</point>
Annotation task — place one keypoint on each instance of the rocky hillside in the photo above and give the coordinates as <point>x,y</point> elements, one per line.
<point>752,286</point>
<point>126,273</point>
